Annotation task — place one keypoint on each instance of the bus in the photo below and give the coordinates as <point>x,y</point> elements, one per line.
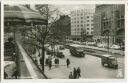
<point>76,50</point>
<point>109,61</point>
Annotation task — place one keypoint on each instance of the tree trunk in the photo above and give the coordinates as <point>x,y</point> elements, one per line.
<point>43,56</point>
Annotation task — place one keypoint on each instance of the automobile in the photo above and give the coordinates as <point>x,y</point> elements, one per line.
<point>91,43</point>
<point>49,52</point>
<point>84,43</point>
<point>122,48</point>
<point>117,47</point>
<point>110,61</point>
<point>101,45</point>
<point>89,50</point>
<point>59,54</point>
<point>61,47</point>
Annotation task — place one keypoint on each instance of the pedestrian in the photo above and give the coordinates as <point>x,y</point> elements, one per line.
<point>5,75</point>
<point>15,74</point>
<point>50,64</point>
<point>46,62</point>
<point>40,61</point>
<point>78,72</point>
<point>74,73</point>
<point>70,75</point>
<point>58,62</point>
<point>55,61</point>
<point>68,62</point>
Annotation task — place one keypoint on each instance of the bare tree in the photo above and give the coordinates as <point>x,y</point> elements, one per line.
<point>38,35</point>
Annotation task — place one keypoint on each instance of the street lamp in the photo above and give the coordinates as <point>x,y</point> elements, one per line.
<point>107,34</point>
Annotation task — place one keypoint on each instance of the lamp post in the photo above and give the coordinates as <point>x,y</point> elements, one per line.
<point>107,34</point>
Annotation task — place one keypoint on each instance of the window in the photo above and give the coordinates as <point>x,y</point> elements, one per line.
<point>81,21</point>
<point>87,32</point>
<point>81,17</point>
<point>92,28</point>
<point>77,21</point>
<point>87,20</point>
<point>81,14</point>
<point>87,24</point>
<point>87,28</point>
<point>92,24</point>
<point>81,25</point>
<point>77,25</point>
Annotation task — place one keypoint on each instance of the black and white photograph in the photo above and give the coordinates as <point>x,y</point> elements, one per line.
<point>63,41</point>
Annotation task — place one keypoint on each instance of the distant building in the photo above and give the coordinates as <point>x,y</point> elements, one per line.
<point>81,20</point>
<point>109,23</point>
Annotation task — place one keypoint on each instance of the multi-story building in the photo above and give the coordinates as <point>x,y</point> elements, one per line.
<point>109,23</point>
<point>81,21</point>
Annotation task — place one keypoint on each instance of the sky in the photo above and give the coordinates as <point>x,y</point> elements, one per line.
<point>66,9</point>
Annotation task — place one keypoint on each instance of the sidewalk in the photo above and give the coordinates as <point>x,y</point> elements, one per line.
<point>32,68</point>
<point>60,72</point>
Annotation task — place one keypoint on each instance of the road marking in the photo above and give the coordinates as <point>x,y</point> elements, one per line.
<point>28,64</point>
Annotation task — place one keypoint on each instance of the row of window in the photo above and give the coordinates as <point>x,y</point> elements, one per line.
<point>82,15</point>
<point>82,25</point>
<point>77,29</point>
<point>78,18</point>
<point>78,33</point>
<point>82,21</point>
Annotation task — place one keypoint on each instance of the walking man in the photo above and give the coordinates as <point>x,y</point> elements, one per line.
<point>5,75</point>
<point>15,74</point>
<point>78,72</point>
<point>55,61</point>
<point>68,62</point>
<point>58,62</point>
<point>74,73</point>
<point>70,75</point>
<point>50,64</point>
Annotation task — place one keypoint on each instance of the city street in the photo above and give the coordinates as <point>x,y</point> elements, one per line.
<point>90,67</point>
<point>41,45</point>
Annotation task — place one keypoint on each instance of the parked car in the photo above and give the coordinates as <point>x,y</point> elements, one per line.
<point>59,54</point>
<point>61,48</point>
<point>100,45</point>
<point>117,47</point>
<point>122,48</point>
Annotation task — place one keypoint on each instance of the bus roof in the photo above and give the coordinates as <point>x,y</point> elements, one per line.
<point>106,55</point>
<point>76,45</point>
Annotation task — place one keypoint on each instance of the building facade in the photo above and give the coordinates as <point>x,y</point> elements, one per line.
<point>109,23</point>
<point>81,22</point>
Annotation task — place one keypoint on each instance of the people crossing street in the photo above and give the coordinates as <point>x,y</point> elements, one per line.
<point>74,73</point>
<point>68,62</point>
<point>78,72</point>
<point>70,75</point>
